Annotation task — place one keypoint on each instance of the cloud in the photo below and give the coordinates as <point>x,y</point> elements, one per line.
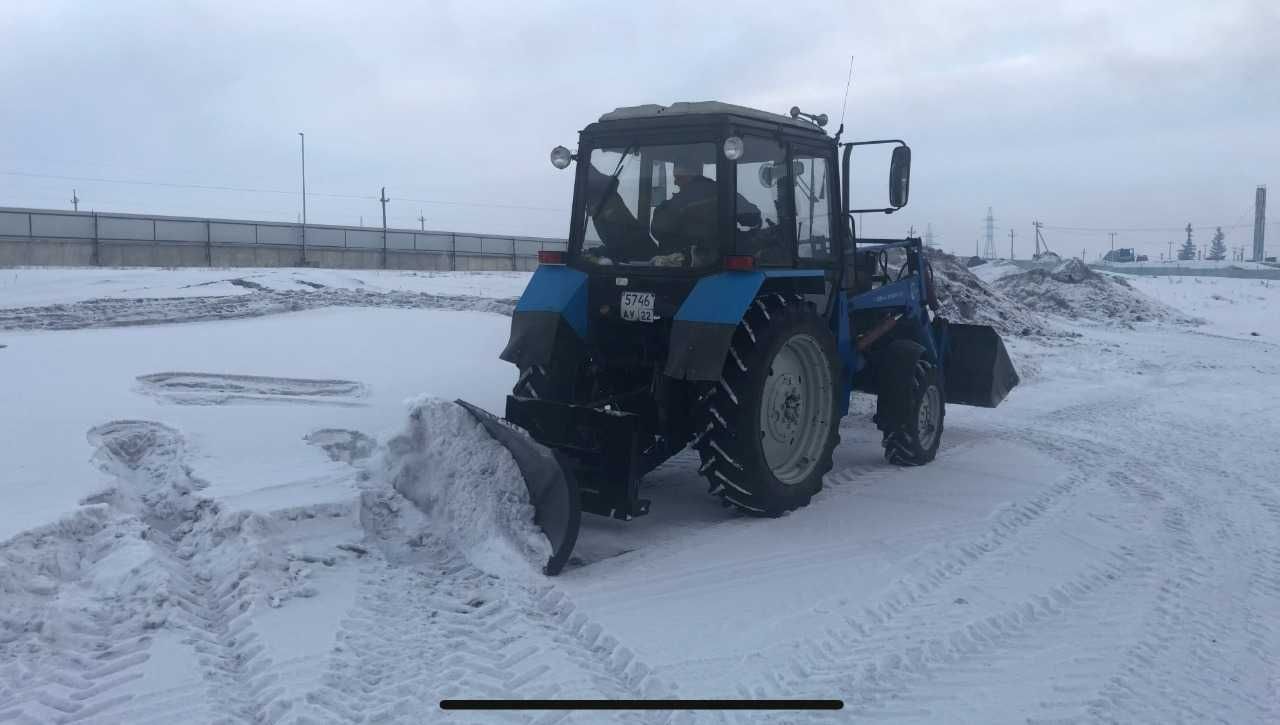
<point>1079,113</point>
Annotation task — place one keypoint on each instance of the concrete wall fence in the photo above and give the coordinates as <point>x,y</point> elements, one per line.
<point>1191,271</point>
<point>45,237</point>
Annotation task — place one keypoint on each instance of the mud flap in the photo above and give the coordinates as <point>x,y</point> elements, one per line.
<point>978,369</point>
<point>553,491</point>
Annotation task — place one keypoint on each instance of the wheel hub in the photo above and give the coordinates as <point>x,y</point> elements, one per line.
<point>785,408</point>
<point>796,414</point>
<point>927,420</point>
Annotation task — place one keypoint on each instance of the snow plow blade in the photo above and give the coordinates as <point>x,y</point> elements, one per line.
<point>553,491</point>
<point>978,369</point>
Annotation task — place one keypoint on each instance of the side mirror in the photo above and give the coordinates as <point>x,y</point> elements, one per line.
<point>767,179</point>
<point>900,177</point>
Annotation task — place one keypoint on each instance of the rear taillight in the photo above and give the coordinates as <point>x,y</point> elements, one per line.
<point>547,256</point>
<point>740,263</point>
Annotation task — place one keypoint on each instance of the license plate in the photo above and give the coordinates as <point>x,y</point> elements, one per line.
<point>637,306</point>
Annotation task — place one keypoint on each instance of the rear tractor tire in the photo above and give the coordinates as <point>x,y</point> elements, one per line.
<point>911,408</point>
<point>766,430</point>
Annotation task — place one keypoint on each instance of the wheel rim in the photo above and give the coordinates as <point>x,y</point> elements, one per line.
<point>797,409</point>
<point>928,419</point>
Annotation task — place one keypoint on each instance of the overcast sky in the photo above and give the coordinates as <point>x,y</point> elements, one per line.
<point>1080,114</point>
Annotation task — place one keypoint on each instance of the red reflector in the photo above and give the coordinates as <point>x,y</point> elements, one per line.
<point>550,257</point>
<point>740,263</point>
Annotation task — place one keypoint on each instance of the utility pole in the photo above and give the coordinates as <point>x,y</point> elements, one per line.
<point>303,137</point>
<point>911,231</point>
<point>1011,244</point>
<point>991,241</point>
<point>75,201</point>
<point>383,198</point>
<point>1170,257</point>
<point>422,220</point>
<point>1259,223</point>
<point>1113,241</point>
<point>1039,238</point>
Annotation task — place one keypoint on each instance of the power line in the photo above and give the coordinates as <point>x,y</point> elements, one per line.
<point>177,185</point>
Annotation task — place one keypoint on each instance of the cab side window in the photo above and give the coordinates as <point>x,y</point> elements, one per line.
<point>813,204</point>
<point>759,206</point>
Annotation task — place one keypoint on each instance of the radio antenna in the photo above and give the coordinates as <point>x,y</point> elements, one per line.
<point>848,82</point>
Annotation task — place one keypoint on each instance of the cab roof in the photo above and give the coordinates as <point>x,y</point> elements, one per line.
<point>689,110</point>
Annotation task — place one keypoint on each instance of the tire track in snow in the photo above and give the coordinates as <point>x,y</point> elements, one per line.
<point>886,663</point>
<point>210,593</point>
<point>78,682</point>
<point>859,637</point>
<point>928,677</point>
<point>112,312</point>
<point>188,388</point>
<point>428,625</point>
<point>1205,643</point>
<point>63,655</point>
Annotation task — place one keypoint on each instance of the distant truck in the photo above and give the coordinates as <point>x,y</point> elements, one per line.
<point>1124,254</point>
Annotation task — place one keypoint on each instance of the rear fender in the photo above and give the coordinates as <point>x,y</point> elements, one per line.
<point>550,320</point>
<point>703,326</point>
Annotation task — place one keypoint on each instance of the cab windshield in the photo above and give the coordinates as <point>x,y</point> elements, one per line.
<point>652,206</point>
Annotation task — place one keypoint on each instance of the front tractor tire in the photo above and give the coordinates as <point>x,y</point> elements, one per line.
<point>766,430</point>
<point>911,407</point>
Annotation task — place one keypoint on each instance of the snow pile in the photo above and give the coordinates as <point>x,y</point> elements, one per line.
<point>963,297</point>
<point>1073,290</point>
<point>468,487</point>
<point>995,269</point>
<point>42,286</point>
<point>119,312</point>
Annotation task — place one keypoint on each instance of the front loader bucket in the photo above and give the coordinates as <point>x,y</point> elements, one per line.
<point>553,491</point>
<point>978,369</point>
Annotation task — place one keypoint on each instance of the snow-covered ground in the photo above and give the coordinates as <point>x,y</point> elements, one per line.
<point>235,518</point>
<point>1239,307</point>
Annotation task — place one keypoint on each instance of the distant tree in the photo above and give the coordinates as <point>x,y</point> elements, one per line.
<point>1218,247</point>
<point>1188,249</point>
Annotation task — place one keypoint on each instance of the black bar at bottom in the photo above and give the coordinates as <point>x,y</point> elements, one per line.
<point>641,704</point>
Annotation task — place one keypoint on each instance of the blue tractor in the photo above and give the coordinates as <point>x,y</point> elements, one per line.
<point>714,296</point>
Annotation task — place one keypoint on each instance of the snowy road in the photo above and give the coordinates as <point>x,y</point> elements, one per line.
<point>1103,547</point>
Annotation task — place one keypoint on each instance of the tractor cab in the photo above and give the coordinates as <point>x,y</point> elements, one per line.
<point>696,188</point>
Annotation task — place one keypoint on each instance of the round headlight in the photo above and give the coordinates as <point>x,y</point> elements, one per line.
<point>561,157</point>
<point>733,148</point>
